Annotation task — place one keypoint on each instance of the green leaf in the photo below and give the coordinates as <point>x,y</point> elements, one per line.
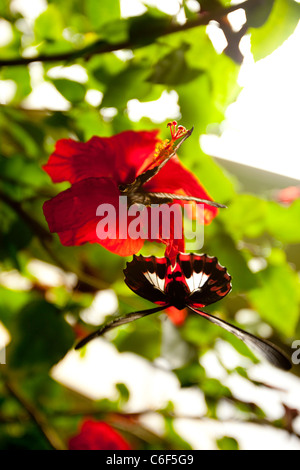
<point>227,443</point>
<point>5,11</point>
<point>173,69</point>
<point>18,236</point>
<point>277,298</point>
<point>221,86</point>
<point>213,388</point>
<point>191,374</point>
<point>19,170</point>
<point>198,331</point>
<point>21,133</point>
<point>284,222</point>
<point>142,337</point>
<point>12,49</point>
<point>250,216</point>
<point>258,13</point>
<point>49,25</point>
<point>115,32</point>
<point>89,123</point>
<point>196,105</point>
<point>146,28</point>
<point>11,301</point>
<point>178,442</point>
<point>21,440</point>
<point>219,185</point>
<point>41,337</point>
<point>124,393</point>
<point>20,75</point>
<point>72,91</point>
<point>104,67</point>
<point>205,99</point>
<point>246,216</point>
<point>280,25</point>
<point>128,84</point>
<point>223,246</point>
<point>100,12</point>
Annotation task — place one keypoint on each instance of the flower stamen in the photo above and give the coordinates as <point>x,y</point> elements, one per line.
<point>164,149</point>
<point>176,131</point>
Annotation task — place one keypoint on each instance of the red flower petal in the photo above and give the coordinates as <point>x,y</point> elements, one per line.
<point>176,179</point>
<point>173,248</point>
<point>288,195</point>
<point>168,228</point>
<point>125,247</point>
<point>76,206</point>
<point>72,214</point>
<point>98,435</point>
<point>177,316</point>
<point>119,157</point>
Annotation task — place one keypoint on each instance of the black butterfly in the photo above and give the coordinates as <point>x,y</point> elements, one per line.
<point>194,282</point>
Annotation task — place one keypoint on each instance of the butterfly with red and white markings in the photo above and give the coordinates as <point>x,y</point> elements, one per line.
<point>193,282</point>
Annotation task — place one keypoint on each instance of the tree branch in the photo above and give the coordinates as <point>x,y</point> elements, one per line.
<point>102,47</point>
<point>135,416</point>
<point>35,226</point>
<point>38,418</point>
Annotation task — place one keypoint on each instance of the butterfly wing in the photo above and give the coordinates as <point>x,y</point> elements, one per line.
<point>208,281</point>
<point>117,322</point>
<point>146,277</point>
<point>271,352</point>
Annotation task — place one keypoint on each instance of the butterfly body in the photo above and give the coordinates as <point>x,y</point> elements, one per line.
<point>177,293</point>
<point>136,194</point>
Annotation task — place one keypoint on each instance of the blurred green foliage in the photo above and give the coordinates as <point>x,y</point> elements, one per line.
<point>43,320</point>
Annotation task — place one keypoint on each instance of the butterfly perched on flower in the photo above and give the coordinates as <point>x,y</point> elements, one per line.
<point>193,282</point>
<point>135,164</point>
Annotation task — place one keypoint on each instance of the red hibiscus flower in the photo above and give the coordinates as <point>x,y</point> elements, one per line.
<point>288,195</point>
<point>105,168</point>
<point>97,435</point>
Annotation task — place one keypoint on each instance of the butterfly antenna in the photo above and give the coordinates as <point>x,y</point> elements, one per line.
<point>167,197</point>
<point>118,322</point>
